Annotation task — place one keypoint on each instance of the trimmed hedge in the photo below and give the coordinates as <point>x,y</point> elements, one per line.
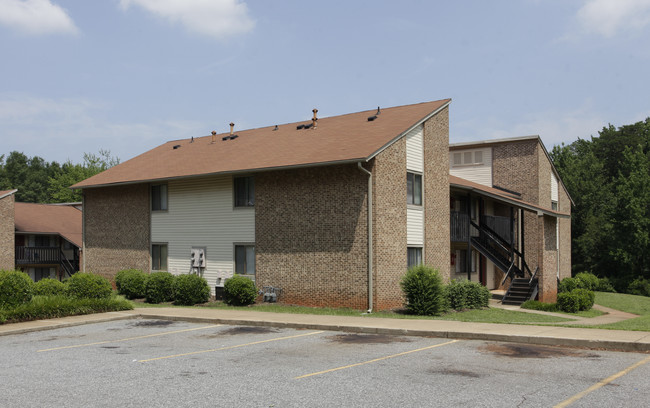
<point>16,287</point>
<point>239,291</point>
<point>587,281</point>
<point>49,287</point>
<point>190,290</point>
<point>464,294</point>
<point>575,301</point>
<point>83,285</point>
<point>423,290</point>
<point>158,287</point>
<point>131,283</point>
<point>568,284</point>
<point>48,307</point>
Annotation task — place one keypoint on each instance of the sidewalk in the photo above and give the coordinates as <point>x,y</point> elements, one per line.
<point>529,334</point>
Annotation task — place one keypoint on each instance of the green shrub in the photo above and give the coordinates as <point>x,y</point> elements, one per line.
<point>604,285</point>
<point>88,286</point>
<point>158,287</point>
<point>587,280</point>
<point>49,287</point>
<point>568,302</point>
<point>466,295</point>
<point>586,298</point>
<point>130,283</point>
<point>568,284</point>
<point>639,286</point>
<point>239,291</point>
<point>48,307</point>
<point>424,292</point>
<point>16,287</point>
<point>537,305</point>
<point>190,290</point>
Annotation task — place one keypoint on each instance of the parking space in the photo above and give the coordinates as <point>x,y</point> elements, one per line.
<point>166,363</point>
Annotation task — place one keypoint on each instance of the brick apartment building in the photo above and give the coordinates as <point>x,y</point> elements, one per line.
<point>330,210</point>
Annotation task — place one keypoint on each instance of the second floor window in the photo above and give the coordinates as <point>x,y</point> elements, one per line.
<point>159,197</point>
<point>413,189</point>
<point>244,191</point>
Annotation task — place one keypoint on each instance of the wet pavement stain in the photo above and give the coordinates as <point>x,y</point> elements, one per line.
<point>531,351</point>
<point>246,330</point>
<point>451,371</point>
<point>153,323</point>
<point>366,339</point>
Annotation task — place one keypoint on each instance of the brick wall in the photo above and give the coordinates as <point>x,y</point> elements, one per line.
<point>311,235</point>
<point>117,229</point>
<point>548,254</point>
<point>515,166</point>
<point>565,234</point>
<point>7,233</point>
<point>389,219</point>
<point>436,193</point>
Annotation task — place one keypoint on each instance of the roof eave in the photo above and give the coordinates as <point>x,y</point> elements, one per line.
<point>223,173</point>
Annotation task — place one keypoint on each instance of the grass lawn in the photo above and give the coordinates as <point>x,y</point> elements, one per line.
<point>491,315</point>
<point>627,303</point>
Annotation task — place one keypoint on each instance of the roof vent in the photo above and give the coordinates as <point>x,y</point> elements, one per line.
<point>231,136</point>
<point>276,128</point>
<point>371,118</point>
<point>214,136</point>
<point>176,147</point>
<point>314,119</point>
<point>192,141</point>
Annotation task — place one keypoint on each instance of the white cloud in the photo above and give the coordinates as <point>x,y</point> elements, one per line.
<point>609,17</point>
<point>219,19</point>
<point>36,17</point>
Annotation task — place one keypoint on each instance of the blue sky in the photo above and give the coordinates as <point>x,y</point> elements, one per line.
<point>128,75</point>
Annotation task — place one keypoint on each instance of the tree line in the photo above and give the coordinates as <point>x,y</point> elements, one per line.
<point>39,181</point>
<point>608,178</point>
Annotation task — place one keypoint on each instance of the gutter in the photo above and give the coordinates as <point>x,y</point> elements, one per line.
<point>370,253</point>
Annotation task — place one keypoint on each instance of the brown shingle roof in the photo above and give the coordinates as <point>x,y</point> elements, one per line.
<point>53,219</point>
<point>502,196</point>
<point>336,139</point>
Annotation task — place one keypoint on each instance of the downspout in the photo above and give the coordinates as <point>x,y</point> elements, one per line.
<point>370,300</point>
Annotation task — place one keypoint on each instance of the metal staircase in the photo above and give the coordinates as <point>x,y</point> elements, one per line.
<point>523,282</point>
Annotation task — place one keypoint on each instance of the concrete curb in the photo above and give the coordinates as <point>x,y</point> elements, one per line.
<point>611,345</point>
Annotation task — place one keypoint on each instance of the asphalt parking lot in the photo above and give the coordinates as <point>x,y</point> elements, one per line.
<point>169,363</point>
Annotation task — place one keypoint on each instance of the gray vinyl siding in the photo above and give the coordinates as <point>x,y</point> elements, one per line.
<point>201,214</point>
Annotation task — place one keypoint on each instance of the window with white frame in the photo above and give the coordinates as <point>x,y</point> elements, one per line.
<point>159,257</point>
<point>245,260</point>
<point>159,197</point>
<point>414,256</point>
<point>413,188</point>
<point>244,191</point>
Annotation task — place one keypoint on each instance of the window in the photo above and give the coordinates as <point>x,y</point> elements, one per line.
<point>159,257</point>
<point>468,158</point>
<point>245,259</point>
<point>159,197</point>
<point>554,205</point>
<point>244,191</point>
<point>414,256</point>
<point>413,189</point>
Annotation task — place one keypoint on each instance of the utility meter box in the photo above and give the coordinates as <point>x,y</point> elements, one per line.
<point>197,257</point>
